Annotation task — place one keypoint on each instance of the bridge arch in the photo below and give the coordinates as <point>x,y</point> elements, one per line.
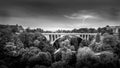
<point>72,39</point>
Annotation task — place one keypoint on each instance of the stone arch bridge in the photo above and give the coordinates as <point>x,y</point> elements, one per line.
<point>53,36</point>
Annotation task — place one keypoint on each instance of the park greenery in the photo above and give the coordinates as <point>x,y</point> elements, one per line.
<point>33,50</point>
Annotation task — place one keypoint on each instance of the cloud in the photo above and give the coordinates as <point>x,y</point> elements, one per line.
<point>80,16</point>
<point>83,15</point>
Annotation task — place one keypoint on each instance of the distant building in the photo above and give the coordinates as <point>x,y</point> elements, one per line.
<point>115,29</point>
<point>112,29</point>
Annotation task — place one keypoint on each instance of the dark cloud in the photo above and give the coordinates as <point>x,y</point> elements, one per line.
<point>28,8</point>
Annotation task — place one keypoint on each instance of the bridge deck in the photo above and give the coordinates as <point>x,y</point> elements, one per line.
<point>69,33</point>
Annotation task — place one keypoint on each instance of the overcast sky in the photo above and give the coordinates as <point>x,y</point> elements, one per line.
<point>60,14</point>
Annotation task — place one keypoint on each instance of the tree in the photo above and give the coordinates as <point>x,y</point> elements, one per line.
<point>99,30</point>
<point>27,38</point>
<point>5,36</point>
<point>92,30</point>
<point>39,30</point>
<point>28,29</point>
<point>119,33</point>
<point>98,38</point>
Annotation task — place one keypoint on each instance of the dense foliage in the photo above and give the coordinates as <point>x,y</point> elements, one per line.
<point>33,50</point>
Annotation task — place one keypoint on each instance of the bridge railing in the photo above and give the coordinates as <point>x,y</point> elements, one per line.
<point>53,36</point>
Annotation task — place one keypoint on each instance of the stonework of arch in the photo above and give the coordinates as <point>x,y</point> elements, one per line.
<point>71,40</point>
